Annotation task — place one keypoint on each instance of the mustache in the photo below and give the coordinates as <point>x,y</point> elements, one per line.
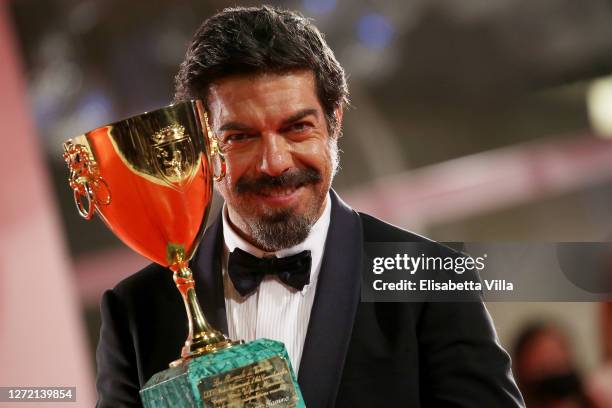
<point>289,179</point>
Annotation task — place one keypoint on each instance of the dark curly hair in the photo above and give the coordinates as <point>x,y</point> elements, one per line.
<point>253,40</point>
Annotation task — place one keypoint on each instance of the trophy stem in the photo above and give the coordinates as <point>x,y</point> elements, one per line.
<point>202,338</point>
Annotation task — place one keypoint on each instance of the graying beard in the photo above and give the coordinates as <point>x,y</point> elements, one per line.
<point>284,231</point>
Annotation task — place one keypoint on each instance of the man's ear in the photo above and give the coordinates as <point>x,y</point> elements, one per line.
<point>338,113</point>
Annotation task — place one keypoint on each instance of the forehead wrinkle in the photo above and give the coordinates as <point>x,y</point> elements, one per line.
<point>255,100</point>
<point>239,112</point>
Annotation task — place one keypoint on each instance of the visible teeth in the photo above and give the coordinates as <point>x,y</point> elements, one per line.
<point>278,192</point>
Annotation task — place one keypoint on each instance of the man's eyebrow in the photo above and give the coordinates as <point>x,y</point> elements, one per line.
<point>299,115</point>
<point>293,118</point>
<point>234,126</point>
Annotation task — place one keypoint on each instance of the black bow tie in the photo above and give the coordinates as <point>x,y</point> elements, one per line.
<point>247,271</point>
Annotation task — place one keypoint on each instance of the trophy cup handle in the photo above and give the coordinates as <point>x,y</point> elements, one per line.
<point>84,211</point>
<point>213,143</point>
<point>85,180</point>
<point>216,153</point>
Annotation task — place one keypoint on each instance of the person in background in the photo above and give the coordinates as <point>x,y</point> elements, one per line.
<point>546,370</point>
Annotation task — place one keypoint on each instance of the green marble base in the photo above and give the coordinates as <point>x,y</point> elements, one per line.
<point>255,374</point>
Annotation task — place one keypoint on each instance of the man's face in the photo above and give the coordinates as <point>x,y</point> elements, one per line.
<point>280,158</point>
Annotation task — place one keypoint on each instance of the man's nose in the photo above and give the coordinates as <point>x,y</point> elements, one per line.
<point>276,157</point>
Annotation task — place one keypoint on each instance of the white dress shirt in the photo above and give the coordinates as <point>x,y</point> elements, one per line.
<point>274,311</point>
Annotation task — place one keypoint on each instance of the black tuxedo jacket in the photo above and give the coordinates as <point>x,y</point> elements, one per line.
<point>355,354</point>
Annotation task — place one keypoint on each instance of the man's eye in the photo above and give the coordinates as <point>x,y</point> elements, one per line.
<point>299,127</point>
<point>237,137</point>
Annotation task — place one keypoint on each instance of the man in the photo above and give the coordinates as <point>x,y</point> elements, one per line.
<point>275,94</point>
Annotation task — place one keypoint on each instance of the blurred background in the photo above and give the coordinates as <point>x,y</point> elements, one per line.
<point>470,121</point>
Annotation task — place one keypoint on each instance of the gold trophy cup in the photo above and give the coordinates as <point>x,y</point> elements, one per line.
<point>150,179</point>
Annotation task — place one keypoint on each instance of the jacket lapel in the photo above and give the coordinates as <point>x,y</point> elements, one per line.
<point>209,282</point>
<point>334,308</point>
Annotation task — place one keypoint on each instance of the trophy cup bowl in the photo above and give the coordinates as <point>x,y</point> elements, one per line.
<point>150,179</point>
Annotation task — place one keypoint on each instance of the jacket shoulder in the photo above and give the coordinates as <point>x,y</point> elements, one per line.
<point>375,229</point>
<point>152,280</point>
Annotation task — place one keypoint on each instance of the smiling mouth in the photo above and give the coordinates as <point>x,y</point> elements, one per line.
<point>278,191</point>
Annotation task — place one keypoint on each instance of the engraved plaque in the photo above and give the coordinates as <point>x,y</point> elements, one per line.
<point>254,374</point>
<point>266,383</point>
